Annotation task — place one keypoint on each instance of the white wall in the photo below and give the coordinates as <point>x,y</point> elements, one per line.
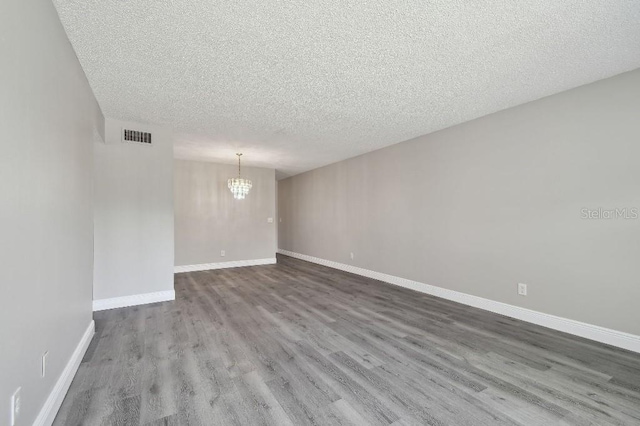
<point>208,219</point>
<point>48,117</point>
<point>482,206</point>
<point>133,213</point>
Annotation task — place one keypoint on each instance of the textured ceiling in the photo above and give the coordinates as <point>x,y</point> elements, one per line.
<point>300,84</point>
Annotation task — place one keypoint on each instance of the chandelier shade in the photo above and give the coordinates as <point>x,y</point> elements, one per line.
<point>239,187</point>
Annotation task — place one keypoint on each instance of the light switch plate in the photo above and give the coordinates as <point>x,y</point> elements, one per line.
<point>15,406</point>
<point>44,363</point>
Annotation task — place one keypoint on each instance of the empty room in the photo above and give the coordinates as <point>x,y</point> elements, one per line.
<point>319,212</point>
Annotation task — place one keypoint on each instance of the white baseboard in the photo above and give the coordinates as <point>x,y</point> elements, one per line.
<point>222,265</point>
<point>599,334</point>
<point>54,401</point>
<point>133,300</point>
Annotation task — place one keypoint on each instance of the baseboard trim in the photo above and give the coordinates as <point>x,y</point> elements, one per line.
<point>51,406</point>
<point>222,265</point>
<point>133,300</point>
<point>593,332</point>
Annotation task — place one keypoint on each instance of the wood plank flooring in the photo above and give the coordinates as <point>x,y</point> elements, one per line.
<point>300,344</point>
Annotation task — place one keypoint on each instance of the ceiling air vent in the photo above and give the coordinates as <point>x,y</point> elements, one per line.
<point>136,136</point>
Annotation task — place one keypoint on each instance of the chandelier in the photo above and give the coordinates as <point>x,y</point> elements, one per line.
<point>239,187</point>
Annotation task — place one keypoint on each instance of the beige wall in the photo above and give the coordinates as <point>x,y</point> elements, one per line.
<point>133,213</point>
<point>49,118</point>
<point>208,219</point>
<point>482,206</point>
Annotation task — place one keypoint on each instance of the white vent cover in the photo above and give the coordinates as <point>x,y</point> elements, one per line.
<point>136,136</point>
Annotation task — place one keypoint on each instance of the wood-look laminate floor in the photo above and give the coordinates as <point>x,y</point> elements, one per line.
<point>297,343</point>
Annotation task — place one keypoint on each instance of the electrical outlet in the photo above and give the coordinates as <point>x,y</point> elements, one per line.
<point>15,406</point>
<point>222,253</point>
<point>351,255</point>
<point>44,363</point>
<point>280,220</point>
<point>522,289</point>
<point>270,220</point>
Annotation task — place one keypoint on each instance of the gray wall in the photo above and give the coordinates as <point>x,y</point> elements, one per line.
<point>208,219</point>
<point>133,213</point>
<point>48,117</point>
<point>484,205</point>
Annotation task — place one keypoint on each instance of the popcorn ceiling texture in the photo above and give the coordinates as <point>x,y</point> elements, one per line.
<point>299,84</point>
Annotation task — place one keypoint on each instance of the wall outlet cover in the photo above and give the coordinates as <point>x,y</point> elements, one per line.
<point>522,289</point>
<point>222,253</point>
